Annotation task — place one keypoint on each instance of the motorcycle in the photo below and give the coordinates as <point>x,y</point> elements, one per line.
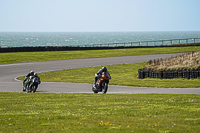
<point>101,84</point>
<point>31,84</point>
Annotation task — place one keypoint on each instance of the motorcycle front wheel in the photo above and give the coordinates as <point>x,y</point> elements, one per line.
<point>35,88</point>
<point>28,89</point>
<point>105,88</point>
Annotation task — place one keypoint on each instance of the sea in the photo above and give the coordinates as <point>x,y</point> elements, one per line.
<point>34,39</point>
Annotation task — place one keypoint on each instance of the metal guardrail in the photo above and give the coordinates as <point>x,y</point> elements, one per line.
<point>159,43</point>
<point>145,43</point>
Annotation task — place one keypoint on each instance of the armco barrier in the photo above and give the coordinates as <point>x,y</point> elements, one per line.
<point>89,47</point>
<point>188,74</point>
<point>54,48</point>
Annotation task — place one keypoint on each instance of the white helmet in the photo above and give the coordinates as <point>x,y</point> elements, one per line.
<point>32,72</point>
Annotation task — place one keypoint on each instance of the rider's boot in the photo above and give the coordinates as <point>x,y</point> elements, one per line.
<point>95,83</point>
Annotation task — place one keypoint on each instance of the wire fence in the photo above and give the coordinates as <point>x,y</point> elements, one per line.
<point>146,43</point>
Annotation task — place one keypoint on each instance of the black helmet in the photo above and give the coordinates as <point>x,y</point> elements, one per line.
<point>104,69</point>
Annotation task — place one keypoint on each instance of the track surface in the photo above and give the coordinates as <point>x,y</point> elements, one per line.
<point>9,73</point>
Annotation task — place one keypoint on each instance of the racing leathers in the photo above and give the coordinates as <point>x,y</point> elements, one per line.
<point>26,78</point>
<point>99,74</point>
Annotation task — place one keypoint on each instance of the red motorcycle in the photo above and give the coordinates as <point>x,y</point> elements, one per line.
<point>101,84</point>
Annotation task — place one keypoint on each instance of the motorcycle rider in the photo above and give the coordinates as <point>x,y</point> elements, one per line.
<point>99,74</point>
<point>38,78</point>
<point>27,77</point>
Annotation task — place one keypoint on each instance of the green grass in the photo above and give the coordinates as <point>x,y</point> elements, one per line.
<point>123,74</point>
<point>61,55</point>
<point>46,112</point>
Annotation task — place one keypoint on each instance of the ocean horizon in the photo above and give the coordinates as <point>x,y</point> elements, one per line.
<point>34,39</point>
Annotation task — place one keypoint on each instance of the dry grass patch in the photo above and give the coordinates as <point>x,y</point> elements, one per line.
<point>183,62</point>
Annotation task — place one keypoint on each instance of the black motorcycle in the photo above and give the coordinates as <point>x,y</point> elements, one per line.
<point>31,84</point>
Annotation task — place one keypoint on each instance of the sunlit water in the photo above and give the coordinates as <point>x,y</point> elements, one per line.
<point>20,39</point>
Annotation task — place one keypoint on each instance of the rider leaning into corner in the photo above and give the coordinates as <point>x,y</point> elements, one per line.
<point>28,75</point>
<point>99,74</point>
<point>31,73</point>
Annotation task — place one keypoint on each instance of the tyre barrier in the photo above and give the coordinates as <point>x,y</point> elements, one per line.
<point>170,74</point>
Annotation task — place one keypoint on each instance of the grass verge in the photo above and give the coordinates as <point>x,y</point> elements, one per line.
<point>46,112</point>
<point>123,74</point>
<point>61,55</point>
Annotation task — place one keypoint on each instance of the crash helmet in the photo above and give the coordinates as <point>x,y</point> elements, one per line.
<point>104,69</point>
<point>35,74</point>
<point>32,72</point>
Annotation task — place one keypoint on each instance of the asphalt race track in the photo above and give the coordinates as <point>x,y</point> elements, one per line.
<point>9,73</point>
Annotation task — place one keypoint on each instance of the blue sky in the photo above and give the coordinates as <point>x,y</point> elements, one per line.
<point>99,15</point>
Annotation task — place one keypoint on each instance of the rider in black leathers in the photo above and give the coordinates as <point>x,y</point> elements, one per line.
<point>38,78</point>
<point>35,76</point>
<point>27,77</point>
<point>99,74</point>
